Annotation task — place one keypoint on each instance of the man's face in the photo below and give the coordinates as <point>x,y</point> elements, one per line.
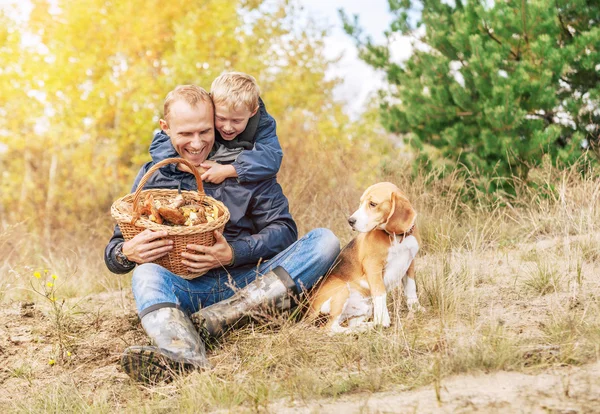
<point>231,122</point>
<point>191,129</point>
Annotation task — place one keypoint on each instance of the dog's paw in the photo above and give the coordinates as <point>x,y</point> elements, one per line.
<point>414,306</point>
<point>382,320</point>
<point>381,316</point>
<point>362,328</point>
<point>336,328</point>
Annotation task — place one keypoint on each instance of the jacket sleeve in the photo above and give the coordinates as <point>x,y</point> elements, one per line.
<point>117,237</point>
<point>276,228</point>
<point>264,160</point>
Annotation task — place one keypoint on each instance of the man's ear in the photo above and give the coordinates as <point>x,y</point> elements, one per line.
<point>255,111</point>
<point>163,125</point>
<point>402,215</point>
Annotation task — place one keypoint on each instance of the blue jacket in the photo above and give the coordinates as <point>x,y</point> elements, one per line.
<point>260,226</point>
<point>261,157</point>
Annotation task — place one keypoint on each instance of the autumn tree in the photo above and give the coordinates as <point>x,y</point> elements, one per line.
<point>85,81</point>
<point>494,86</point>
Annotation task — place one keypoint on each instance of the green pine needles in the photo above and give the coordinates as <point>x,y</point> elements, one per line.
<point>493,87</point>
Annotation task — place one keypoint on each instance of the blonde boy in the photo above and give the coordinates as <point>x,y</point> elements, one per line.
<point>246,144</point>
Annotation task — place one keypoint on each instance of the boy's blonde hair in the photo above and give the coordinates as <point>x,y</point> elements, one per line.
<point>235,89</point>
<point>191,94</point>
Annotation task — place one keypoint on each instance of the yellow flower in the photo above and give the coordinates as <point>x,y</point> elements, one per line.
<point>51,362</point>
<point>68,353</point>
<point>37,275</point>
<point>49,284</point>
<point>54,277</point>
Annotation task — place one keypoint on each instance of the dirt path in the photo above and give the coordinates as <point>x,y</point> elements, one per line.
<point>559,391</point>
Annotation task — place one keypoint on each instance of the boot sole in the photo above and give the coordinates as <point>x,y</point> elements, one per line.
<point>147,364</point>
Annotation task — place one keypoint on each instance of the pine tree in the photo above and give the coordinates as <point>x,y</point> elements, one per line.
<point>492,85</point>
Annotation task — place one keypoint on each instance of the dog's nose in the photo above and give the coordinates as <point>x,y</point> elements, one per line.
<point>352,221</point>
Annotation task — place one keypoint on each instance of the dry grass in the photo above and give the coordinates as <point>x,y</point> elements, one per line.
<point>508,284</point>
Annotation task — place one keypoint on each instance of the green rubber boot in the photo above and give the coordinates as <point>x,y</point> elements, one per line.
<point>274,289</point>
<point>178,348</point>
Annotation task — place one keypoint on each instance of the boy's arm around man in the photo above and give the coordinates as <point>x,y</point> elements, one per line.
<point>264,160</point>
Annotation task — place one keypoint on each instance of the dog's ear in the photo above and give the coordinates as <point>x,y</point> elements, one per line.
<point>402,215</point>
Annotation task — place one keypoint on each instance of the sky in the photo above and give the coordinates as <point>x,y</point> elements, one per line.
<point>360,80</point>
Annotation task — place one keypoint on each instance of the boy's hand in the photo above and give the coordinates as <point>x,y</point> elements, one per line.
<point>217,173</point>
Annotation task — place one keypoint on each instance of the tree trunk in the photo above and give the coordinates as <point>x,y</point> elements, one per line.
<point>50,198</point>
<point>25,184</point>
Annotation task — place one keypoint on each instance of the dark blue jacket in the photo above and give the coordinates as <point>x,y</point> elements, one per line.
<point>262,155</point>
<point>260,226</point>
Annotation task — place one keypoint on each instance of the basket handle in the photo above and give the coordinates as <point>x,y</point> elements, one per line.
<point>158,165</point>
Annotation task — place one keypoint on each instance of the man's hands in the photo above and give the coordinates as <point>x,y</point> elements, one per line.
<point>147,246</point>
<point>205,258</point>
<point>216,173</point>
<point>150,245</point>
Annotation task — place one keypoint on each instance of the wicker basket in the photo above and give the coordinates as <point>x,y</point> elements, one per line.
<point>124,208</point>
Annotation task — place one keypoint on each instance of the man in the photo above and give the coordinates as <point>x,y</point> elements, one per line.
<point>255,262</point>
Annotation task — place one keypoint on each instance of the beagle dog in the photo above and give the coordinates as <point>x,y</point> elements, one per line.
<point>372,264</point>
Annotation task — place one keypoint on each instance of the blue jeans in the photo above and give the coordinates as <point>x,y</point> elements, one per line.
<point>306,261</point>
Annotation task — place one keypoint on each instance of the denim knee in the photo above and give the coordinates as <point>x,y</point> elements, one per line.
<point>151,284</point>
<point>144,275</point>
<point>329,244</point>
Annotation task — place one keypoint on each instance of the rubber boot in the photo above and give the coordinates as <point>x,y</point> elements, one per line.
<point>274,289</point>
<point>178,348</point>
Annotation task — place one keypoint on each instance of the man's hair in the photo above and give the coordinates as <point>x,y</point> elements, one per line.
<point>191,94</point>
<point>235,89</point>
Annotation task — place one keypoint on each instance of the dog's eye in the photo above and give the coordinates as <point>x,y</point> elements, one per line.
<point>372,204</point>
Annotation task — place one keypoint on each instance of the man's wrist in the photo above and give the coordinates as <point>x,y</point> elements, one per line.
<point>121,258</point>
<point>231,172</point>
<point>232,255</point>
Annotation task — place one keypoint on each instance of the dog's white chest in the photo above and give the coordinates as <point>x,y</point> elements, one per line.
<point>400,255</point>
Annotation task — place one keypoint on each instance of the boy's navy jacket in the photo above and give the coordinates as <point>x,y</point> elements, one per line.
<point>263,156</point>
<point>260,226</point>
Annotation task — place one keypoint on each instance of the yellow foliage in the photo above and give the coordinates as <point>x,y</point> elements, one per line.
<point>85,96</point>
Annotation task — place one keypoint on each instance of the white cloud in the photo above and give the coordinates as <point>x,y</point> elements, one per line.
<point>401,47</point>
<point>455,67</point>
<point>359,79</point>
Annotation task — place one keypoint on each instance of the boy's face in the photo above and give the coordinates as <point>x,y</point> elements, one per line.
<point>191,130</point>
<point>231,122</point>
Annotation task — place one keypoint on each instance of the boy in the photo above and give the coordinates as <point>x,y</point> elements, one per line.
<point>246,145</point>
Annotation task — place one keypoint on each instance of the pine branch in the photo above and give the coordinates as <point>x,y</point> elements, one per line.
<point>565,80</point>
<point>548,116</point>
<point>562,25</point>
<point>488,30</point>
<point>524,20</point>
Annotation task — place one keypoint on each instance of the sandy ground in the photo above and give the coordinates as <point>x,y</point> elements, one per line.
<point>561,390</point>
<point>106,323</point>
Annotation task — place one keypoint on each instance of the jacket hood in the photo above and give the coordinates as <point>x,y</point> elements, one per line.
<point>161,148</point>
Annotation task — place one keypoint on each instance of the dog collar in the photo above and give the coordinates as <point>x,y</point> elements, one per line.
<point>405,234</point>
